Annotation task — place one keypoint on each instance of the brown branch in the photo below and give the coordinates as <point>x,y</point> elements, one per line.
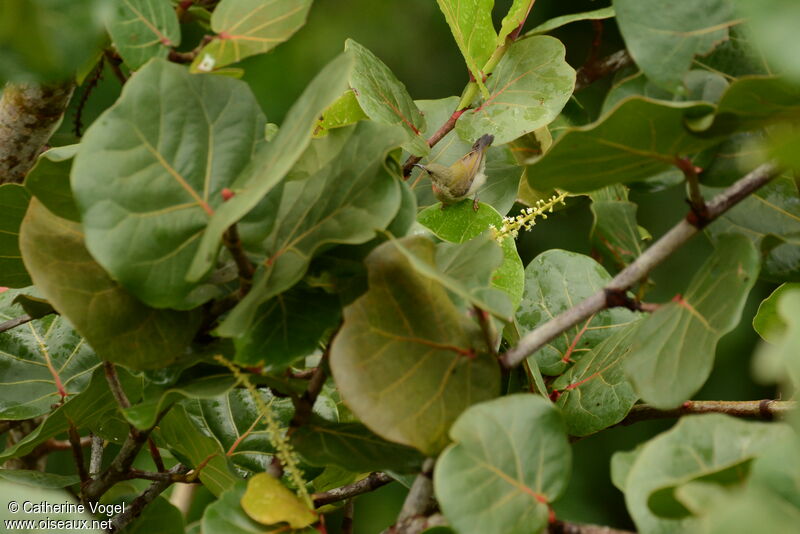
<point>29,114</point>
<point>115,62</point>
<point>161,476</point>
<point>347,519</point>
<point>13,323</point>
<point>419,501</point>
<point>564,527</point>
<point>233,243</point>
<point>653,256</point>
<point>120,466</point>
<point>764,409</point>
<point>600,68</point>
<point>96,457</point>
<point>438,135</point>
<point>372,482</point>
<point>696,200</point>
<point>134,509</point>
<point>76,445</point>
<point>155,454</point>
<point>115,386</point>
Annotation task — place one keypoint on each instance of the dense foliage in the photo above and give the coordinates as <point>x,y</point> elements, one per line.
<point>285,315</point>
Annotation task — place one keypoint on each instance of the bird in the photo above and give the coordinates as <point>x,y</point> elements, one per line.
<point>463,178</point>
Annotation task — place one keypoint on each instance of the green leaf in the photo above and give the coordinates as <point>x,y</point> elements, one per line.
<point>248,27</point>
<point>117,326</point>
<point>465,270</point>
<point>472,28</point>
<point>143,29</point>
<point>621,463</point>
<point>557,22</point>
<point>48,181</point>
<point>353,447</point>
<point>346,202</point>
<point>614,230</point>
<point>409,369</point>
<point>673,351</point>
<point>272,162</point>
<point>502,170</point>
<point>770,24</point>
<point>771,212</point>
<point>233,420</point>
<point>514,19</point>
<point>555,281</point>
<point>595,393</point>
<point>49,39</point>
<point>344,112</point>
<point>38,479</point>
<point>145,414</point>
<point>178,432</point>
<point>460,223</point>
<point>146,192</point>
<point>14,201</point>
<point>384,98</point>
<point>159,516</point>
<point>269,502</point>
<point>226,516</point>
<point>768,322</point>
<point>638,139</point>
<point>287,328</point>
<point>37,360</point>
<point>700,85</point>
<point>754,102</point>
<point>85,410</point>
<point>783,351</point>
<point>24,494</point>
<point>528,89</point>
<point>663,39</point>
<point>754,509</point>
<point>737,155</point>
<point>696,447</point>
<point>510,460</point>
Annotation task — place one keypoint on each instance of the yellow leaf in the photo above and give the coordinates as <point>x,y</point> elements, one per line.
<point>268,501</point>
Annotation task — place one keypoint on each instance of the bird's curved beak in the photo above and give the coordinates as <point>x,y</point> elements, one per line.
<point>423,167</point>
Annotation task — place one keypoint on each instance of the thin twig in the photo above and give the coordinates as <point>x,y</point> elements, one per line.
<point>764,409</point>
<point>163,476</point>
<point>437,136</point>
<point>77,452</point>
<point>486,329</point>
<point>13,323</point>
<point>564,527</point>
<point>114,62</point>
<point>96,457</point>
<point>653,256</point>
<point>155,455</point>
<point>696,200</point>
<point>120,466</point>
<point>600,68</point>
<point>233,243</point>
<point>347,520</point>
<point>419,501</point>
<point>134,509</point>
<point>115,386</point>
<point>370,483</point>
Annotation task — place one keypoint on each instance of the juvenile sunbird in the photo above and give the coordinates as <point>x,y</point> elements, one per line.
<point>463,178</point>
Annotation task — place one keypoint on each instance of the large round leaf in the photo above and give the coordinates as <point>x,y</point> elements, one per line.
<point>408,361</point>
<point>510,460</point>
<point>150,171</point>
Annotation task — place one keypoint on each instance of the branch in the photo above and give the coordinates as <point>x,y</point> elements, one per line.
<point>233,243</point>
<point>132,511</point>
<point>445,129</point>
<point>161,476</point>
<point>365,485</point>
<point>13,323</point>
<point>120,466</point>
<point>563,527</point>
<point>77,451</point>
<point>690,173</point>
<point>96,457</point>
<point>29,114</point>
<point>764,409</point>
<point>653,256</point>
<point>600,68</point>
<point>420,496</point>
<point>115,386</point>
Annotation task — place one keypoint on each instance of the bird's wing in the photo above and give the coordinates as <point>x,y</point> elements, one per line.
<point>469,166</point>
